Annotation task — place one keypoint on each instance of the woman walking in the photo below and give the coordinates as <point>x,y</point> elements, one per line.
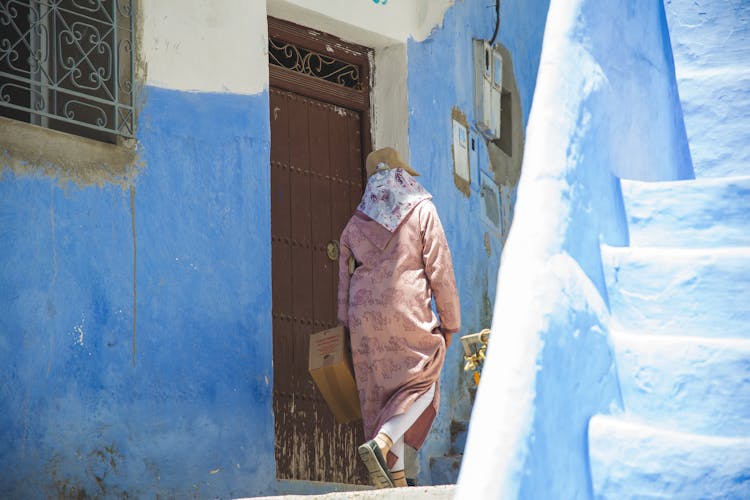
<point>394,261</point>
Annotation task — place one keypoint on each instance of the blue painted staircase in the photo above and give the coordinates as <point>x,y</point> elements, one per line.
<point>680,294</point>
<point>680,303</point>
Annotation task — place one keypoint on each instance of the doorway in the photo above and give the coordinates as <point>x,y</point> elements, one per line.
<point>320,135</point>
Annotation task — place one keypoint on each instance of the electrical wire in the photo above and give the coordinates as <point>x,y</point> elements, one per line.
<point>497,21</point>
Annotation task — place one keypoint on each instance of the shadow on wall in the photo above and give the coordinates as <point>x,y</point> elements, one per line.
<point>605,103</point>
<point>441,90</point>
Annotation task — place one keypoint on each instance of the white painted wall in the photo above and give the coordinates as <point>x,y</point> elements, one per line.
<point>365,21</point>
<point>221,45</point>
<point>205,45</point>
<point>390,100</point>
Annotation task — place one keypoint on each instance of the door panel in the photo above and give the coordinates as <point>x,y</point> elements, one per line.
<point>316,180</point>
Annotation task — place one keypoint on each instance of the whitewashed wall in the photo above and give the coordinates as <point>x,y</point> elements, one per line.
<point>205,45</point>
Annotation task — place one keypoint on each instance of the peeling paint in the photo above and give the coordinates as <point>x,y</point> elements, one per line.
<point>29,150</point>
<point>102,465</point>
<point>78,330</point>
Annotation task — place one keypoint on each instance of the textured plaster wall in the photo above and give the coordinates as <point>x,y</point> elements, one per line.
<point>206,45</point>
<point>135,339</point>
<point>711,42</point>
<point>604,83</point>
<point>366,21</point>
<point>135,334</point>
<point>441,77</point>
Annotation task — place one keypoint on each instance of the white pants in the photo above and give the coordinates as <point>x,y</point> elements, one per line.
<point>397,426</point>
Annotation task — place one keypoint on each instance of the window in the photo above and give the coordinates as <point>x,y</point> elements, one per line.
<point>308,62</point>
<point>68,65</point>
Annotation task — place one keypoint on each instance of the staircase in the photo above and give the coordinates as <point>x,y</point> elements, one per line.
<point>711,47</point>
<point>680,294</point>
<point>680,302</point>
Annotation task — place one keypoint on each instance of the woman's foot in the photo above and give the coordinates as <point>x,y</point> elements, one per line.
<point>385,443</point>
<point>374,461</point>
<point>399,478</point>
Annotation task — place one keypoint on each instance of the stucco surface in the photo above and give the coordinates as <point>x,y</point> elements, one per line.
<point>367,21</point>
<point>711,40</point>
<point>162,388</point>
<point>605,103</point>
<point>205,45</point>
<point>631,460</point>
<point>428,492</point>
<point>679,329</point>
<point>441,81</point>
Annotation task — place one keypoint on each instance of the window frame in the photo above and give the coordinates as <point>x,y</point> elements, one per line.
<point>80,69</point>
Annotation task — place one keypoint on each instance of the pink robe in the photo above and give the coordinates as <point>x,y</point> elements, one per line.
<point>397,347</point>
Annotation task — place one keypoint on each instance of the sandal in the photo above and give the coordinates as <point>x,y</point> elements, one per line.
<point>372,457</point>
<point>399,478</point>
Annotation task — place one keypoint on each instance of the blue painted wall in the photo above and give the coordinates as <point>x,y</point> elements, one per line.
<point>441,77</point>
<point>605,103</point>
<point>711,41</point>
<point>193,416</point>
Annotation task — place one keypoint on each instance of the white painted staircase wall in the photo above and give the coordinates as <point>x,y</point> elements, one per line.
<point>680,294</point>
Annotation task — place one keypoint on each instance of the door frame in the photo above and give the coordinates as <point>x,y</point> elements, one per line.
<point>355,98</point>
<point>317,88</point>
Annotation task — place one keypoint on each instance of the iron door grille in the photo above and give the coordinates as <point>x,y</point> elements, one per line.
<point>68,65</point>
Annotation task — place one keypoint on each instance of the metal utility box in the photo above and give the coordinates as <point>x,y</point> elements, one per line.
<point>488,88</point>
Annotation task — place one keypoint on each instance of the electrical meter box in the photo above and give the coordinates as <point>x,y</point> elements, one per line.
<point>488,88</point>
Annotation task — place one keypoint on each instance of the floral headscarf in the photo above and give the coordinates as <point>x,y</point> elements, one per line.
<point>390,195</point>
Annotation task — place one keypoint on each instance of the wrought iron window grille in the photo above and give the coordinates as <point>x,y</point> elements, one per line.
<point>308,62</point>
<point>68,65</point>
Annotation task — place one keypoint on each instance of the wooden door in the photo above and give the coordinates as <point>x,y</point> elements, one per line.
<point>316,183</point>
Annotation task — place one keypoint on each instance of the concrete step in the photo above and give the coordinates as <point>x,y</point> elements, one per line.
<point>677,291</point>
<point>711,46</point>
<point>716,103</point>
<point>709,34</point>
<point>630,460</point>
<point>415,493</point>
<point>697,385</point>
<point>697,213</point>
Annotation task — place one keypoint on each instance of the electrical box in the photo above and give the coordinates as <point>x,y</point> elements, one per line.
<point>488,88</point>
<point>490,205</point>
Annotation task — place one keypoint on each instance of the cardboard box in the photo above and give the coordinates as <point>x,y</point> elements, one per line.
<point>331,369</point>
